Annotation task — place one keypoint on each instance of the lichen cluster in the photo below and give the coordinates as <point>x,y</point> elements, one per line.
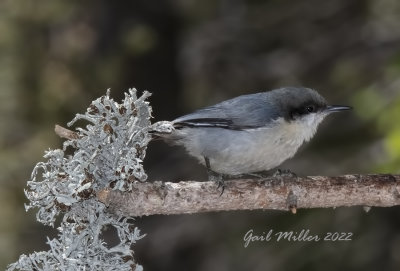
<point>107,153</point>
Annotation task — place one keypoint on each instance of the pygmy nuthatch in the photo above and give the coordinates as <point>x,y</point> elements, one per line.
<point>252,133</point>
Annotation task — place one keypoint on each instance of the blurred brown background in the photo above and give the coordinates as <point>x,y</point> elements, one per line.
<point>57,56</point>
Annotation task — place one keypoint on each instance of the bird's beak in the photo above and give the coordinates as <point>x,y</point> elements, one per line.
<point>336,108</point>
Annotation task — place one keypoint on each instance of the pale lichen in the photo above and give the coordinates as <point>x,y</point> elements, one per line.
<point>107,153</point>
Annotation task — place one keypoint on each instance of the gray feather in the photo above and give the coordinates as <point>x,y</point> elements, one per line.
<point>243,112</point>
<point>249,111</point>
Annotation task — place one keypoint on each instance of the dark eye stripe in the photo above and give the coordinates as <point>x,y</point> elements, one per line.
<point>304,110</point>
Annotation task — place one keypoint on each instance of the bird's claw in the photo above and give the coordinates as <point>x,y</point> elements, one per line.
<point>214,176</point>
<point>221,184</point>
<point>218,180</point>
<point>284,173</point>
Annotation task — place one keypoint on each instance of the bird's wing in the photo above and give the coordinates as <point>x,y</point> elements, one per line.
<point>244,112</point>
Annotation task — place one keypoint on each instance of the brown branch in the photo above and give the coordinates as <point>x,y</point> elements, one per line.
<point>65,133</point>
<point>278,193</point>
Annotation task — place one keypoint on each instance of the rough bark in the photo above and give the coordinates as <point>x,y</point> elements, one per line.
<point>277,193</point>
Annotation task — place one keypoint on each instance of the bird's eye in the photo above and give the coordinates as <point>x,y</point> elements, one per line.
<point>310,108</point>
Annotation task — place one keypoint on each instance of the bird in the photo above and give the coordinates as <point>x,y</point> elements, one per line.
<point>251,133</point>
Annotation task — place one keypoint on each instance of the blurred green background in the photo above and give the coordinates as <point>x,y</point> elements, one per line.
<point>57,56</point>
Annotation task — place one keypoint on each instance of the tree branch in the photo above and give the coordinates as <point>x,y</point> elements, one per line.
<point>277,193</point>
<point>65,133</point>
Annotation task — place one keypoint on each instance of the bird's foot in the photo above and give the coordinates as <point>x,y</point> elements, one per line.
<point>284,173</point>
<point>261,174</point>
<point>215,177</point>
<point>218,179</point>
<point>248,176</point>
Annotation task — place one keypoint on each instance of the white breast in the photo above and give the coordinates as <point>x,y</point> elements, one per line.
<point>237,152</point>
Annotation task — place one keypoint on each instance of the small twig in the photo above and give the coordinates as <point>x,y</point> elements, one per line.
<point>65,133</point>
<point>289,193</point>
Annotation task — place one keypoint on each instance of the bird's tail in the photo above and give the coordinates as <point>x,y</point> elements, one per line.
<point>161,130</point>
